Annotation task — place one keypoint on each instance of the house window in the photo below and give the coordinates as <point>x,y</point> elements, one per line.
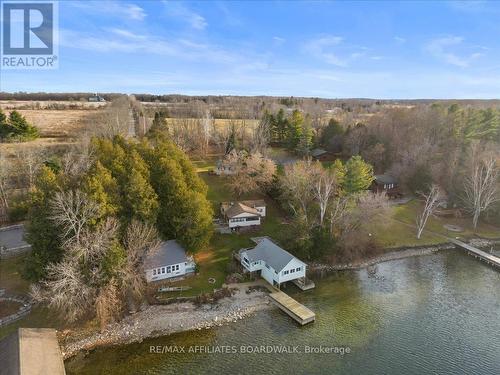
<point>168,269</point>
<point>252,218</point>
<point>177,267</point>
<point>154,272</point>
<point>285,272</point>
<point>245,261</point>
<point>292,270</point>
<point>268,267</point>
<point>298,269</point>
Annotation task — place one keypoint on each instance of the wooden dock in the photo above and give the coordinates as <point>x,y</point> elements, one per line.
<point>480,254</point>
<point>294,309</point>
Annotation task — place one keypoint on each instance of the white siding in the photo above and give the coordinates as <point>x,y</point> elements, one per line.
<point>261,210</point>
<point>241,221</point>
<point>286,273</point>
<point>161,272</point>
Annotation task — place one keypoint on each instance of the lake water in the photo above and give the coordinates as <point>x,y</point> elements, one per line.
<point>437,314</point>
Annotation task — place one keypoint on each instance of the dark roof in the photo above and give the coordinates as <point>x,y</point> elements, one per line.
<point>167,254</point>
<point>12,237</point>
<point>269,252</point>
<point>318,152</point>
<point>385,179</point>
<point>31,351</point>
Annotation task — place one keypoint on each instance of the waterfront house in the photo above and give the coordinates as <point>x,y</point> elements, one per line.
<point>167,261</point>
<point>243,213</point>
<point>274,264</point>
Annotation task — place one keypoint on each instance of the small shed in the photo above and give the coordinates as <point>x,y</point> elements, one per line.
<point>319,154</point>
<point>31,351</point>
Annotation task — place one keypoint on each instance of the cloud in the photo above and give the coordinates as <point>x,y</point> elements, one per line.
<point>322,49</point>
<point>278,40</point>
<point>125,41</point>
<point>110,8</point>
<point>195,20</point>
<point>333,50</point>
<point>445,50</point>
<point>400,40</point>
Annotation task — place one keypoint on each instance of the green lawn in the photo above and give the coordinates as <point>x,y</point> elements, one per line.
<point>13,283</point>
<point>394,229</point>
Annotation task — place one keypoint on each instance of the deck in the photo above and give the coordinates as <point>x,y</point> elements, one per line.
<point>480,254</point>
<point>294,309</point>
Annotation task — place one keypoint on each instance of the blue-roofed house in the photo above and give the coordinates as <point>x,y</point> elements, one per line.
<point>167,261</point>
<point>275,264</point>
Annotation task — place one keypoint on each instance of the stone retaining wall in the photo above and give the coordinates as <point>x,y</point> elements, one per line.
<point>24,310</point>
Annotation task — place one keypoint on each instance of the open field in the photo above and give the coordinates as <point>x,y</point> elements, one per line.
<point>60,123</point>
<point>49,104</point>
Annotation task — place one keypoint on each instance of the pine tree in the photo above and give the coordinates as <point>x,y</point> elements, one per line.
<point>358,175</point>
<point>295,129</point>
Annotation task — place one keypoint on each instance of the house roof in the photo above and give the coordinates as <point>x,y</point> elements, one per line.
<point>12,237</point>
<point>167,254</point>
<point>317,152</point>
<point>232,209</point>
<point>31,351</point>
<point>385,179</point>
<point>272,254</point>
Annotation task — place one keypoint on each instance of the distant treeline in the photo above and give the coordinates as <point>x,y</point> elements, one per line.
<point>64,96</point>
<point>219,100</point>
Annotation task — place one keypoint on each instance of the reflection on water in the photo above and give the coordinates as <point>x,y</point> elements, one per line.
<point>436,314</point>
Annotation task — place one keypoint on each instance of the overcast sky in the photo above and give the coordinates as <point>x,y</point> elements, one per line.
<point>320,49</point>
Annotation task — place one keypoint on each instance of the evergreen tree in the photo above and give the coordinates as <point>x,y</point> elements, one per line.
<point>295,129</point>
<point>41,232</point>
<point>306,138</point>
<point>16,128</point>
<point>358,175</point>
<point>232,141</point>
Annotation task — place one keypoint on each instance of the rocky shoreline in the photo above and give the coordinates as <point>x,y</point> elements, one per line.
<point>162,320</point>
<point>321,269</point>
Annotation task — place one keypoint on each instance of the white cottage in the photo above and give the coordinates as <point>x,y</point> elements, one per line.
<point>243,213</point>
<point>167,261</point>
<point>275,264</point>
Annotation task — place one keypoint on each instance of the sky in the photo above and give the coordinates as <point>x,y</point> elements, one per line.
<point>365,49</point>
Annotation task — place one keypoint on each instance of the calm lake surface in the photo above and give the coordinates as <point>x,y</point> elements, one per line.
<point>437,314</point>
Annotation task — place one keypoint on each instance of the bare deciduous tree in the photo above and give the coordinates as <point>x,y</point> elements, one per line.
<point>324,185</point>
<point>29,160</point>
<point>5,180</point>
<point>296,181</point>
<point>73,211</point>
<point>481,184</point>
<point>431,202</point>
<point>249,172</point>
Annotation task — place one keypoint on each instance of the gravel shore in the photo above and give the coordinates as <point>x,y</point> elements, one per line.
<point>161,320</point>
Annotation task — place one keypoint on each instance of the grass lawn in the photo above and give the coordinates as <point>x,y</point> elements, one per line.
<point>408,212</point>
<point>207,163</point>
<point>13,283</point>
<point>391,231</point>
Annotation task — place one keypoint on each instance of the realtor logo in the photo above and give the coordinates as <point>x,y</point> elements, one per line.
<point>29,35</point>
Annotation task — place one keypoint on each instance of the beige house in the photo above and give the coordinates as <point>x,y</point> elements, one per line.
<point>243,213</point>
